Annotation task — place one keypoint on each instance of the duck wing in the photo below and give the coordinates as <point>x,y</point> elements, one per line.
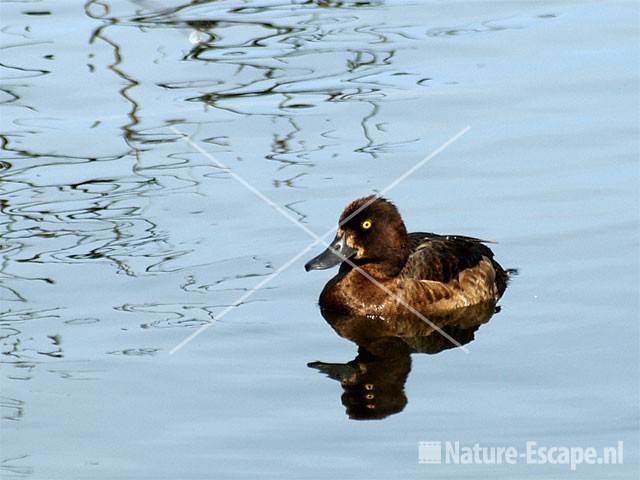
<point>442,257</point>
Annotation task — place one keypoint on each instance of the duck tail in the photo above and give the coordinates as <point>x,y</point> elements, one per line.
<point>503,277</point>
<point>511,272</point>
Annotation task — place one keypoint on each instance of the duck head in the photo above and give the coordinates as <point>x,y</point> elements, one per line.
<point>370,233</point>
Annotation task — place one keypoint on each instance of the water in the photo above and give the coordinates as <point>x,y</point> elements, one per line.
<point>120,239</point>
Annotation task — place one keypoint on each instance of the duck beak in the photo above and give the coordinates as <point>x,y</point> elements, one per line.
<point>332,256</point>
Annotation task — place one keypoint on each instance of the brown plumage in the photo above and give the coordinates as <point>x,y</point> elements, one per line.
<point>399,272</point>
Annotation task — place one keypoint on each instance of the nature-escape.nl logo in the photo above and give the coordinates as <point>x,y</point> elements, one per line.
<point>452,453</point>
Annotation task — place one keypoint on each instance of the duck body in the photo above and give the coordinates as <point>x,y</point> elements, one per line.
<point>385,271</point>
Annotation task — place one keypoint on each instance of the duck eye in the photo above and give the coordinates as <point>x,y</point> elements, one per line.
<point>366,225</point>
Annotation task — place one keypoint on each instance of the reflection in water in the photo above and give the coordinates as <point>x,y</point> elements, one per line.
<point>373,382</point>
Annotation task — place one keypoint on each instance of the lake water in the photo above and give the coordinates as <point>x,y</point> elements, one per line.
<point>120,239</point>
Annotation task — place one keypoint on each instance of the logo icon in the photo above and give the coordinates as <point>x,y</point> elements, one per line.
<point>430,452</point>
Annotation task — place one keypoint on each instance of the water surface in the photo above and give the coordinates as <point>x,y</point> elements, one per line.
<point>119,239</point>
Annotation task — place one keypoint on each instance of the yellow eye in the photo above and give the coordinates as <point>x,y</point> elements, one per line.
<point>366,225</point>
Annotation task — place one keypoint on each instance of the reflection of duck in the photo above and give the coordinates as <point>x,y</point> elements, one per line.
<point>397,272</point>
<point>373,382</point>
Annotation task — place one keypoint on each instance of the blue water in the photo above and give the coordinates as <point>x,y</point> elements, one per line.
<point>119,239</point>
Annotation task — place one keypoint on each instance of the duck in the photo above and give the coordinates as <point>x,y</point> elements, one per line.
<point>385,271</point>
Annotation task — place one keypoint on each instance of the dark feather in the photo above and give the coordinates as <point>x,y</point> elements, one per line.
<point>442,257</point>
